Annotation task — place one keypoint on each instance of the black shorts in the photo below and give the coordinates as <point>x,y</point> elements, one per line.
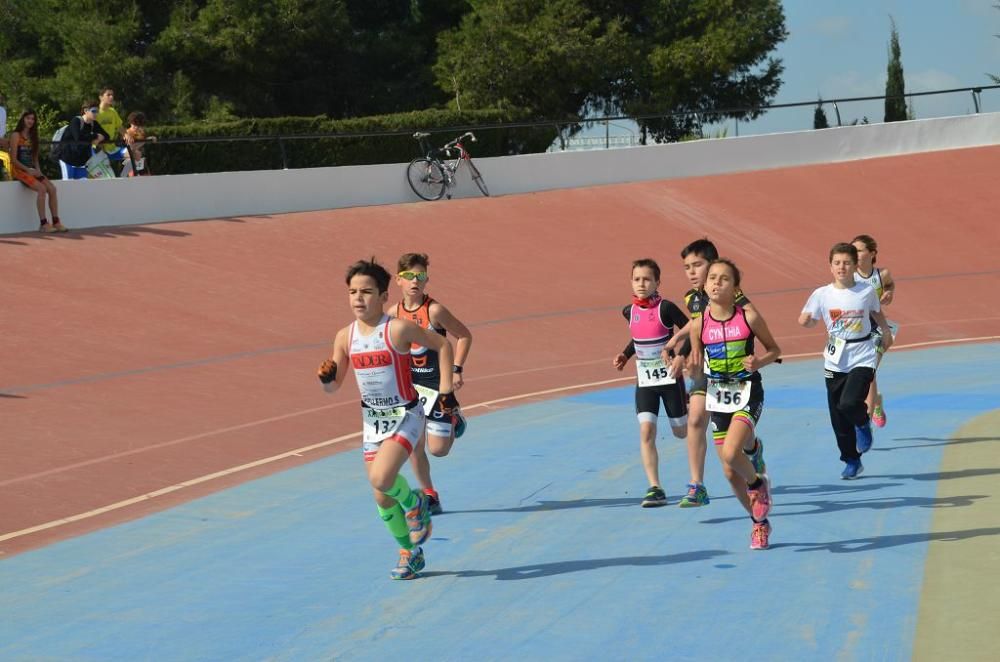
<point>647,403</point>
<point>699,384</point>
<point>749,414</point>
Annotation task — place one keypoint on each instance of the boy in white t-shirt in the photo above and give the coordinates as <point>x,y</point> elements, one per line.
<point>849,357</point>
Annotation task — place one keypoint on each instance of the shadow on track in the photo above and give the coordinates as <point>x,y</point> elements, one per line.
<point>536,571</point>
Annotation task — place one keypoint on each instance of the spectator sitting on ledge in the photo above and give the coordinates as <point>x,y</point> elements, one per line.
<point>24,154</point>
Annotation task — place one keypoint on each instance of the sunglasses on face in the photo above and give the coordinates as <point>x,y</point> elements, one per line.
<point>420,276</point>
<point>92,110</point>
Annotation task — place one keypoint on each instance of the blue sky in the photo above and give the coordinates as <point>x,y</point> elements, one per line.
<point>839,48</point>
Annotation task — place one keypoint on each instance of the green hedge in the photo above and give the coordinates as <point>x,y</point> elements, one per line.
<point>226,156</point>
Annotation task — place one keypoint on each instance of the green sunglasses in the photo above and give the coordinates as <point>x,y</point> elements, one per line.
<point>413,275</point>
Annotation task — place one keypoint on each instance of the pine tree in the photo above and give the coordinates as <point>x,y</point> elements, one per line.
<point>819,117</point>
<point>895,102</point>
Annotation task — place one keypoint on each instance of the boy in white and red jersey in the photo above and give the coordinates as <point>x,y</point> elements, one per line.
<point>378,348</point>
<point>848,309</point>
<point>651,320</point>
<point>426,366</point>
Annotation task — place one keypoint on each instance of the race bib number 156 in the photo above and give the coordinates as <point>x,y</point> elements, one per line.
<point>725,396</point>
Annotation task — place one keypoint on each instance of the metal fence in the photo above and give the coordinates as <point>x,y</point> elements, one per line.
<point>606,132</point>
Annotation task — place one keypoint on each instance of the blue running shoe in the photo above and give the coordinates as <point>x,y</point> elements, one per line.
<point>696,496</point>
<point>852,470</point>
<point>410,564</point>
<point>863,436</point>
<point>757,457</point>
<point>459,424</point>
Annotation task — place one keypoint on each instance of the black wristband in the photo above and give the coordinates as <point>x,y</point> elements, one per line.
<point>629,350</point>
<point>457,369</point>
<point>328,377</point>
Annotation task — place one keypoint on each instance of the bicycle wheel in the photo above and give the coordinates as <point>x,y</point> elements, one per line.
<point>426,178</point>
<point>478,179</point>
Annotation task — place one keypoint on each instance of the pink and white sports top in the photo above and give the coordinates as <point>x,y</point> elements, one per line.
<point>382,371</point>
<point>649,330</point>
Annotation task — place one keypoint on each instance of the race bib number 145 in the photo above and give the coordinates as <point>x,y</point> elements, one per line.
<point>653,372</point>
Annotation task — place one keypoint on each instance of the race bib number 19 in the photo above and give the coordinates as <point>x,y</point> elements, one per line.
<point>834,348</point>
<point>653,372</point>
<point>380,424</point>
<point>726,397</point>
<point>428,397</point>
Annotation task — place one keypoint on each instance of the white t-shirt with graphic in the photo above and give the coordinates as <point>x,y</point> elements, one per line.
<point>846,313</point>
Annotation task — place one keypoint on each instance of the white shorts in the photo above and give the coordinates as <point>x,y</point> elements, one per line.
<point>406,432</point>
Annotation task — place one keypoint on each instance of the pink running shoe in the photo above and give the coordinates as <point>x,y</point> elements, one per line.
<point>760,498</point>
<point>759,536</point>
<point>878,416</point>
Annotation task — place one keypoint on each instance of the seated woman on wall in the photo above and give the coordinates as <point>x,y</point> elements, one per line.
<point>73,155</point>
<point>24,159</point>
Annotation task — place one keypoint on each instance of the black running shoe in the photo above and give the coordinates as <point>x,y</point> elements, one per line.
<point>435,504</point>
<point>654,498</point>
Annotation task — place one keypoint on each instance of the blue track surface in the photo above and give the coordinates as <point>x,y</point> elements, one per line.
<point>543,553</point>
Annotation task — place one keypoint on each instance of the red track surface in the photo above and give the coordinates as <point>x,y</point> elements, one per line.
<point>138,358</point>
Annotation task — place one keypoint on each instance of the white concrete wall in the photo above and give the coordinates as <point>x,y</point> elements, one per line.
<point>187,197</point>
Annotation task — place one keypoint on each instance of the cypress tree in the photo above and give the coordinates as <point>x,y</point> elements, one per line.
<point>819,117</point>
<point>895,103</point>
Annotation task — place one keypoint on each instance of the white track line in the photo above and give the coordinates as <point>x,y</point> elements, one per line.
<point>337,440</point>
<point>250,465</point>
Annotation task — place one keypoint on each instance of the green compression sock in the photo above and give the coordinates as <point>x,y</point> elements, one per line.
<point>401,492</point>
<point>396,523</point>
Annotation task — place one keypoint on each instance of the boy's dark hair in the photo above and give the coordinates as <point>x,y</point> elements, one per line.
<point>372,269</point>
<point>106,89</point>
<point>410,260</point>
<point>701,247</point>
<point>732,265</point>
<point>137,118</point>
<point>869,243</point>
<point>649,264</point>
<point>88,104</point>
<point>842,247</point>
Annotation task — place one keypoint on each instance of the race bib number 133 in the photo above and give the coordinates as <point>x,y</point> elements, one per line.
<point>380,424</point>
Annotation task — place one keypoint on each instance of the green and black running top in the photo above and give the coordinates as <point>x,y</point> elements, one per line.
<point>696,300</point>
<point>727,343</point>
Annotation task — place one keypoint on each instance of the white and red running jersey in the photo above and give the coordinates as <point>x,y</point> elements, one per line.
<point>382,371</point>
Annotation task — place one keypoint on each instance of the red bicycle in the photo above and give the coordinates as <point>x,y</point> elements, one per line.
<point>433,175</point>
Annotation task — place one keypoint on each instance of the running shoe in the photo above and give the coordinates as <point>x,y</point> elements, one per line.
<point>434,503</point>
<point>410,564</point>
<point>418,519</point>
<point>654,498</point>
<point>863,436</point>
<point>696,496</point>
<point>760,535</point>
<point>47,228</point>
<point>852,469</point>
<point>757,458</point>
<point>59,227</point>
<point>760,498</point>
<point>878,416</point>
<point>459,424</point>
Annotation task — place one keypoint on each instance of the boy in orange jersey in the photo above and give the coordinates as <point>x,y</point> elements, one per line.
<point>426,366</point>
